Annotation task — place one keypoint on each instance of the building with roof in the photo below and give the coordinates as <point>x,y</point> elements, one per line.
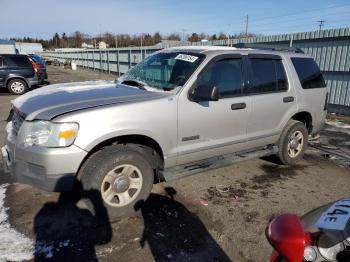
<point>7,46</point>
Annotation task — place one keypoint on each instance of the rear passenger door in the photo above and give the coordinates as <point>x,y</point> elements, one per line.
<point>272,98</point>
<point>3,71</point>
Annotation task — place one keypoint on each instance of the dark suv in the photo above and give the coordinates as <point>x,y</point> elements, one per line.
<point>40,66</point>
<point>18,73</point>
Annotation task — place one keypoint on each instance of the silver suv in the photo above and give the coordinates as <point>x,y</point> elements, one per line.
<point>181,111</point>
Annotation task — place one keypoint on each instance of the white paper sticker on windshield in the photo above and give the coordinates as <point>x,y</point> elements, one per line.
<point>336,216</point>
<point>187,58</point>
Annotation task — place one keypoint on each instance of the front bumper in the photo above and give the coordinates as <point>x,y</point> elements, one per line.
<point>51,169</point>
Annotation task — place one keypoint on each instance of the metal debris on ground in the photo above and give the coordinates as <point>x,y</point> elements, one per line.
<point>203,202</point>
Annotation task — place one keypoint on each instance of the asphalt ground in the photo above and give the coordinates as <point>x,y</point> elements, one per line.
<point>190,219</point>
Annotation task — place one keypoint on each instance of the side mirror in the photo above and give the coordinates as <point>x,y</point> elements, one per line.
<point>204,93</point>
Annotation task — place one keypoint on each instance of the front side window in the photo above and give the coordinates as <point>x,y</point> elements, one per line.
<point>164,71</point>
<point>267,75</point>
<point>308,72</point>
<point>226,75</point>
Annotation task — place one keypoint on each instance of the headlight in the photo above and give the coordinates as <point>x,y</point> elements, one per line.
<point>328,249</point>
<point>310,253</point>
<point>48,134</point>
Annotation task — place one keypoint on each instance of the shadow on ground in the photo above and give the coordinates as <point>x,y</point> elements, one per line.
<point>65,232</point>
<point>173,233</point>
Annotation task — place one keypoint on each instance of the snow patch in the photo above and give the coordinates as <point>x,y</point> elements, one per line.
<point>14,246</point>
<point>338,124</point>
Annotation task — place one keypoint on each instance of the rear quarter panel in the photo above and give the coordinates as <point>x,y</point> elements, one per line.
<point>310,100</point>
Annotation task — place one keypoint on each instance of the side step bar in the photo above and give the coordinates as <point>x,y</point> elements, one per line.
<point>214,162</point>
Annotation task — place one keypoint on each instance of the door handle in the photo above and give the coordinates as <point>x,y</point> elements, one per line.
<point>238,106</point>
<point>288,99</point>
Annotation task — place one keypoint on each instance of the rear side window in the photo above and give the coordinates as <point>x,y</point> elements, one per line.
<point>19,61</point>
<point>267,75</point>
<point>308,72</point>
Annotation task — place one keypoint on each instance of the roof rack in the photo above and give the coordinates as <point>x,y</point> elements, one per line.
<point>269,47</point>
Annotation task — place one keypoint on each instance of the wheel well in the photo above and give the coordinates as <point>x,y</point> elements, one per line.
<point>14,78</point>
<point>305,118</point>
<point>142,140</point>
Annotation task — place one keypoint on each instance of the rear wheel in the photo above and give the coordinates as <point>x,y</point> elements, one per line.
<point>293,142</point>
<point>17,86</point>
<point>123,178</point>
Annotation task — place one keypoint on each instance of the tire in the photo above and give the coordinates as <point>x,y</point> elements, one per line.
<point>292,143</point>
<point>120,177</point>
<point>17,86</point>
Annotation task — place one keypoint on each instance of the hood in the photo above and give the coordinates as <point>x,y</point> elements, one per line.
<point>50,101</point>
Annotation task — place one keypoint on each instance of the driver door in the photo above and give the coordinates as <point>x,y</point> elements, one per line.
<point>213,128</point>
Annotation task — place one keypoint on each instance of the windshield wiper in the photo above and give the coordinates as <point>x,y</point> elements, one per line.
<point>141,85</point>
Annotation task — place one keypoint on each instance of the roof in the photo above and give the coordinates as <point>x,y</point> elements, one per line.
<point>7,42</point>
<point>18,55</point>
<point>227,49</point>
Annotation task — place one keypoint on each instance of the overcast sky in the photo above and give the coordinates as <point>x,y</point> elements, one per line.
<point>45,17</point>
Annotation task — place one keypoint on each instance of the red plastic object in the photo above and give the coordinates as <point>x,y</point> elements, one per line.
<point>34,65</point>
<point>286,234</point>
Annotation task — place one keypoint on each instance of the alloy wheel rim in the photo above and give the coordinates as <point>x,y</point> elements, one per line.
<point>295,144</point>
<point>121,185</point>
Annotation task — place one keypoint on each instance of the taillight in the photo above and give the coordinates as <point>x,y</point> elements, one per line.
<point>286,234</point>
<point>35,67</point>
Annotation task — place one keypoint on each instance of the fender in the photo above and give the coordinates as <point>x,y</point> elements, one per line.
<point>15,76</point>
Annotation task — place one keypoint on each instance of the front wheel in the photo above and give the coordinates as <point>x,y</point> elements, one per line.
<point>123,177</point>
<point>293,142</point>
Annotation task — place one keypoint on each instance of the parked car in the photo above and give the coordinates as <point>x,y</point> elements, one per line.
<point>40,65</point>
<point>181,111</point>
<point>319,236</point>
<point>17,73</point>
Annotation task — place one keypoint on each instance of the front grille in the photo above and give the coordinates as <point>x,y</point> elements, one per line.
<point>17,120</point>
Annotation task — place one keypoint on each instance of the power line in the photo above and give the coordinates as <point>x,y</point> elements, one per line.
<point>306,11</point>
<point>331,23</point>
<point>344,12</point>
<point>257,22</point>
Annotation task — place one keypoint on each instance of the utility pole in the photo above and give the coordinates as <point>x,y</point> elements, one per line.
<point>116,41</point>
<point>246,26</point>
<point>320,24</point>
<point>183,34</point>
<point>141,46</point>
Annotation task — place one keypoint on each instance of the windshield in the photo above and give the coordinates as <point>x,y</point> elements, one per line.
<point>164,70</point>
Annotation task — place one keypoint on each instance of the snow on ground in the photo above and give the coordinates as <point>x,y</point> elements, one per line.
<point>14,246</point>
<point>338,124</point>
